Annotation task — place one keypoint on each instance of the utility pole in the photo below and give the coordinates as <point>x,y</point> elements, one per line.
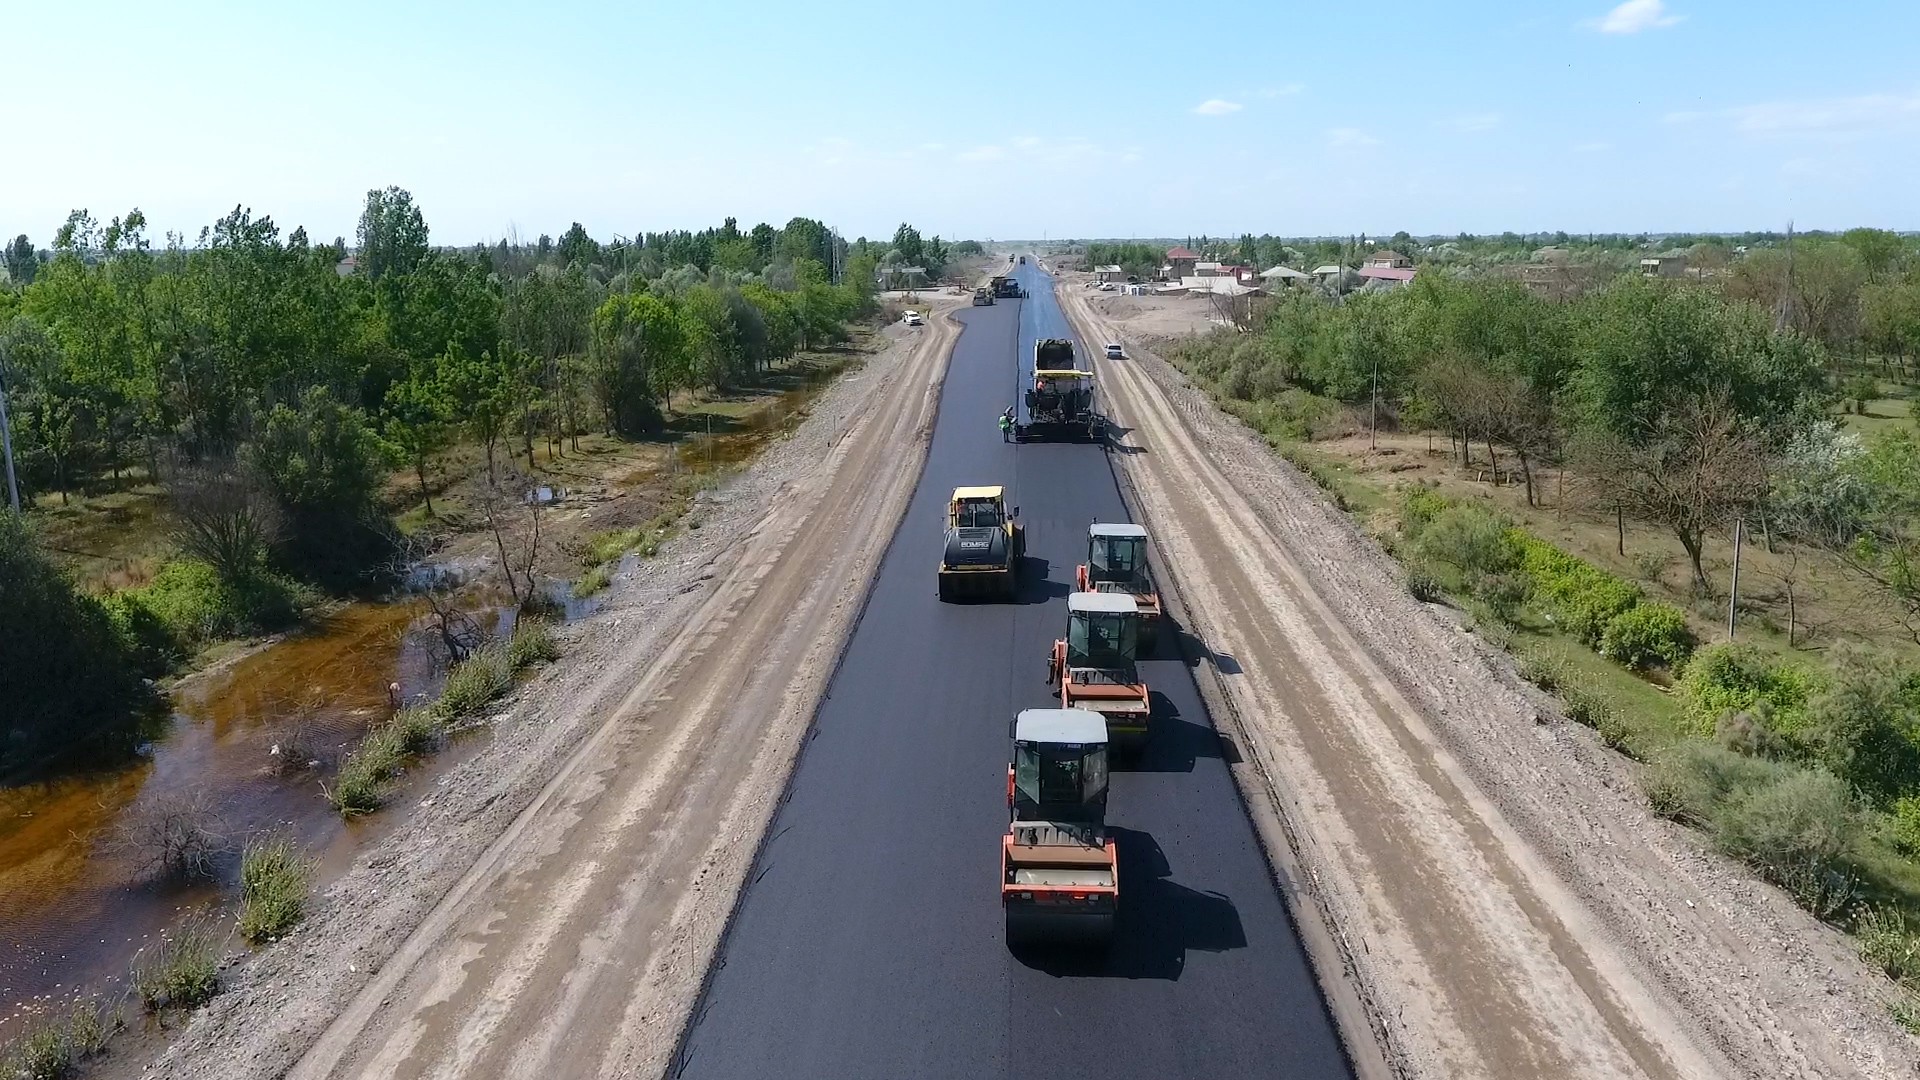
<point>6,439</point>
<point>1733,593</point>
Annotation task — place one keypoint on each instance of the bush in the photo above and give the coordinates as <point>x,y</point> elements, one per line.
<point>1748,733</point>
<point>198,607</point>
<point>356,789</point>
<point>1648,635</point>
<point>1690,780</point>
<point>1734,678</point>
<point>1887,941</point>
<point>145,635</point>
<point>1584,597</point>
<point>1424,587</point>
<point>1418,507</point>
<point>1863,727</point>
<point>1469,539</point>
<point>1545,668</point>
<point>273,889</point>
<point>1905,821</point>
<point>1503,594</point>
<point>1796,832</point>
<point>182,972</point>
<point>69,682</point>
<point>325,466</point>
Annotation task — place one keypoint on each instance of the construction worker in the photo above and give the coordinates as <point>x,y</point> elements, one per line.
<point>1006,424</point>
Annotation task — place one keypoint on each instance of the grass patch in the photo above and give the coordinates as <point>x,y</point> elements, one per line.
<point>475,681</point>
<point>181,972</point>
<point>274,875</point>
<point>597,577</point>
<point>55,1048</point>
<point>532,643</point>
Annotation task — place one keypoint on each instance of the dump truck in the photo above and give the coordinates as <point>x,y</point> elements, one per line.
<point>1117,563</point>
<point>982,297</point>
<point>1060,402</point>
<point>984,545</point>
<point>1059,869</point>
<point>1006,288</point>
<point>1095,665</point>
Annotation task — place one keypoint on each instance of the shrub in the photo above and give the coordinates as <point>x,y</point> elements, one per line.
<point>1734,678</point>
<point>1905,819</point>
<point>1584,597</point>
<point>69,683</point>
<point>1503,594</point>
<point>475,681</point>
<point>182,972</point>
<point>1544,668</point>
<point>532,643</point>
<point>1418,507</point>
<point>1648,635</point>
<point>1795,831</point>
<point>413,730</point>
<point>1469,539</point>
<point>1863,728</point>
<point>1748,733</point>
<point>1887,941</point>
<point>54,1048</point>
<point>1690,780</point>
<point>197,606</point>
<point>145,635</point>
<point>355,790</point>
<point>273,889</point>
<point>1424,587</point>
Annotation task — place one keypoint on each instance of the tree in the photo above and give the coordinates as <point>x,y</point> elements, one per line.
<point>1883,546</point>
<point>418,416</point>
<point>226,517</point>
<point>577,248</point>
<point>1693,470</point>
<point>325,466</point>
<point>639,354</point>
<point>22,261</point>
<point>906,241</point>
<point>484,392</point>
<point>392,234</point>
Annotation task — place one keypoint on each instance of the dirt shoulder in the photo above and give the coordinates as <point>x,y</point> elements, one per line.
<point>551,904</point>
<point>1492,879</point>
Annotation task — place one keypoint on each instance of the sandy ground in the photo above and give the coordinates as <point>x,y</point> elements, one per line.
<point>1486,873</point>
<point>550,906</point>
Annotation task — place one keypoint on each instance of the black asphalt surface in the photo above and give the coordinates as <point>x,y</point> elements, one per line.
<point>869,943</point>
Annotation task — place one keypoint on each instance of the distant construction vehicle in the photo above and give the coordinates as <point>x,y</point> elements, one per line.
<point>1059,870</point>
<point>1005,288</point>
<point>982,297</point>
<point>1095,665</point>
<point>1117,563</point>
<point>1023,260</point>
<point>983,548</point>
<point>1060,401</point>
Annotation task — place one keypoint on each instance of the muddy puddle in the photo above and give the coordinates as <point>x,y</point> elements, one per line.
<point>249,746</point>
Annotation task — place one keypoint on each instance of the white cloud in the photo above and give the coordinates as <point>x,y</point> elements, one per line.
<point>1217,107</point>
<point>1467,122</point>
<point>1027,142</point>
<point>1831,119</point>
<point>983,153</point>
<point>1635,16</point>
<point>1347,136</point>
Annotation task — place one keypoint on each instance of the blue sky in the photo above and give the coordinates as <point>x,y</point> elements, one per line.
<point>974,119</point>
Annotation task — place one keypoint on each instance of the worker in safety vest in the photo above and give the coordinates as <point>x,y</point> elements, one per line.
<point>1006,424</point>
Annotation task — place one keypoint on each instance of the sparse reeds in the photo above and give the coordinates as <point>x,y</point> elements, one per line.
<point>274,875</point>
<point>182,971</point>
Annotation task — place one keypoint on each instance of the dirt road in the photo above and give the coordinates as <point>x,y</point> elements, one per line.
<point>1498,888</point>
<point>550,910</point>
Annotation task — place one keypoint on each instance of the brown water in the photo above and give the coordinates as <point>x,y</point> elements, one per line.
<point>74,909</point>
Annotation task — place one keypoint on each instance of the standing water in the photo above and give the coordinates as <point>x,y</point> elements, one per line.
<point>247,751</point>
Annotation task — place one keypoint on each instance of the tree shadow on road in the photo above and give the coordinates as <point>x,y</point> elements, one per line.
<point>1160,922</point>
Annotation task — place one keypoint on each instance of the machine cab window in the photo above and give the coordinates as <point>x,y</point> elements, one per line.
<point>1102,630</point>
<point>978,514</point>
<point>1116,558</point>
<point>1056,775</point>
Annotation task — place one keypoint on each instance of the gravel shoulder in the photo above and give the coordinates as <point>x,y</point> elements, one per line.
<point>551,904</point>
<point>1488,874</point>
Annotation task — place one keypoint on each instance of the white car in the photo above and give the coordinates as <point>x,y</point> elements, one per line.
<point>913,318</point>
<point>1114,352</point>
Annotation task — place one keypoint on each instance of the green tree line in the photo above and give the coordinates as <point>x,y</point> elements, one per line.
<point>269,383</point>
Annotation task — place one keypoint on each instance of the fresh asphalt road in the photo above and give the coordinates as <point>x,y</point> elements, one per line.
<point>869,943</point>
